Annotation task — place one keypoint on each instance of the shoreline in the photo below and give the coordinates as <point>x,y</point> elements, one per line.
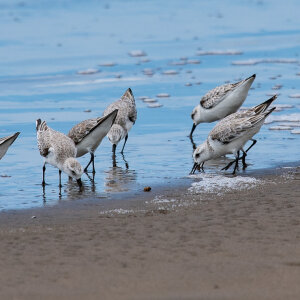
<point>233,245</point>
<point>139,195</point>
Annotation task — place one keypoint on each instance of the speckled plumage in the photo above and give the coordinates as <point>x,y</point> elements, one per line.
<point>5,143</point>
<point>126,109</point>
<point>88,134</point>
<point>50,140</point>
<point>79,131</point>
<point>218,94</point>
<point>232,133</point>
<point>125,119</point>
<point>221,102</point>
<point>58,150</point>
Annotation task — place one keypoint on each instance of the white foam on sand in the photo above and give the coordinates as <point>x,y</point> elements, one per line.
<point>251,62</point>
<point>295,117</point>
<point>87,82</point>
<point>219,184</point>
<point>160,200</point>
<point>219,52</point>
<point>117,211</point>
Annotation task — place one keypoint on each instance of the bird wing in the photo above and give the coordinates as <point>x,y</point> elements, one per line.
<point>227,130</point>
<point>79,131</point>
<point>98,128</point>
<point>218,94</point>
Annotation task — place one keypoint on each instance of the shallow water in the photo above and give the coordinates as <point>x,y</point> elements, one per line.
<point>43,47</point>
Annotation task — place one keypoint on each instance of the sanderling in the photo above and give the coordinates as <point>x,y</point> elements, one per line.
<point>6,141</point>
<point>59,151</point>
<point>88,134</point>
<point>126,117</point>
<point>221,102</point>
<point>231,134</point>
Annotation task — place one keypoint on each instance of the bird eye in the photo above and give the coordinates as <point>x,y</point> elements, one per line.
<point>73,172</point>
<point>197,155</point>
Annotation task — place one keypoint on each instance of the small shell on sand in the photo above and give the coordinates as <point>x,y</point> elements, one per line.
<point>251,62</point>
<point>294,96</point>
<point>147,189</point>
<point>149,100</point>
<point>137,53</point>
<point>188,84</point>
<point>220,52</point>
<point>163,95</point>
<point>295,131</point>
<point>154,105</point>
<point>170,72</point>
<point>88,72</point>
<point>280,128</point>
<point>143,97</point>
<point>148,72</point>
<point>107,64</point>
<point>193,61</point>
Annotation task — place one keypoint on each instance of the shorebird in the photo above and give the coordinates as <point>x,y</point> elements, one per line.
<point>59,151</point>
<point>221,102</point>
<point>126,118</point>
<point>231,134</point>
<point>5,142</point>
<point>88,134</point>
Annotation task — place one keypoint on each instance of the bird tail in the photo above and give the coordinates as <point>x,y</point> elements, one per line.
<point>263,106</point>
<point>41,126</point>
<point>128,94</point>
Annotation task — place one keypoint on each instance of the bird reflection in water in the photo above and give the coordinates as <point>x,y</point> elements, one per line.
<point>119,179</point>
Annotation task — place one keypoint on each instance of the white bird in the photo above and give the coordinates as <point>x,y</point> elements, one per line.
<point>126,118</point>
<point>221,102</point>
<point>88,134</point>
<point>5,142</point>
<point>231,134</point>
<point>59,151</point>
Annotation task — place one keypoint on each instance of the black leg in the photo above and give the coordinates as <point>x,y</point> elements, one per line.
<point>193,128</point>
<point>91,161</point>
<point>228,166</point>
<point>244,160</point>
<point>59,172</point>
<point>201,167</point>
<point>232,162</point>
<point>236,166</point>
<point>254,142</point>
<point>93,164</point>
<point>126,137</point>
<point>194,168</point>
<point>44,169</point>
<point>125,161</point>
<point>114,155</point>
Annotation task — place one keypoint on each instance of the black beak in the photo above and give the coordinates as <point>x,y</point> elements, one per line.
<point>79,182</point>
<point>193,128</point>
<point>194,168</point>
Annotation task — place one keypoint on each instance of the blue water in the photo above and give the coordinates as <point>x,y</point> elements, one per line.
<point>43,44</point>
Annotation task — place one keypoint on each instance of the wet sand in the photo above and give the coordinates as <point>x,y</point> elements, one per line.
<point>239,245</point>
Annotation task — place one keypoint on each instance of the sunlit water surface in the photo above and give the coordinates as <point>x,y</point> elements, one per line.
<point>44,45</point>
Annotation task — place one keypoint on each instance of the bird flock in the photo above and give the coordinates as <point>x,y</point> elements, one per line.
<point>229,136</point>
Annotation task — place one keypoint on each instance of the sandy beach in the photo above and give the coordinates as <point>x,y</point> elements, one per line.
<point>237,245</point>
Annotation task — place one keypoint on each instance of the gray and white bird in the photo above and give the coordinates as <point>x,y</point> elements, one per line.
<point>5,143</point>
<point>221,102</point>
<point>88,135</point>
<point>59,151</point>
<point>125,119</point>
<point>231,134</point>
